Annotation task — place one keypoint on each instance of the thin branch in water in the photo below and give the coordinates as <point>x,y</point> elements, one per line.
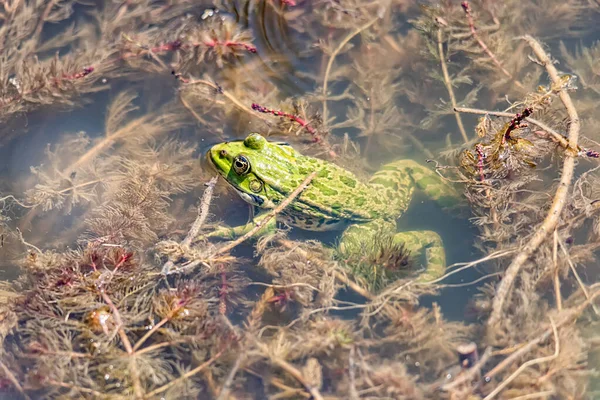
<point>467,9</point>
<point>202,212</point>
<point>96,394</point>
<point>229,96</point>
<point>31,246</point>
<point>528,364</point>
<point>16,201</point>
<point>448,83</point>
<point>224,392</point>
<point>471,373</point>
<point>556,278</point>
<point>269,216</point>
<point>191,110</point>
<point>185,376</point>
<point>229,246</point>
<point>14,380</point>
<point>567,317</point>
<point>577,277</point>
<point>334,55</point>
<point>135,377</point>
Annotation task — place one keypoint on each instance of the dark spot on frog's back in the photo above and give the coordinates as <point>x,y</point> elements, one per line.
<point>324,189</point>
<point>323,173</point>
<point>359,201</point>
<point>310,196</point>
<point>348,181</point>
<point>337,205</point>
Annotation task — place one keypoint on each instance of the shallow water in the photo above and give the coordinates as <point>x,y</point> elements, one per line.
<point>285,61</point>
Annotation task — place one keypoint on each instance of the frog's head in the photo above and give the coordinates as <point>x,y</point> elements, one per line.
<point>262,172</point>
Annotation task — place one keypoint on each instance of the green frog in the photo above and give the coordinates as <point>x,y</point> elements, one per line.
<point>264,173</point>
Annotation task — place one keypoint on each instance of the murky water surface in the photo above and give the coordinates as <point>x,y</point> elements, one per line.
<point>387,99</point>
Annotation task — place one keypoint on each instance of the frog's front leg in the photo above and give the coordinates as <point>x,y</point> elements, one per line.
<point>225,232</point>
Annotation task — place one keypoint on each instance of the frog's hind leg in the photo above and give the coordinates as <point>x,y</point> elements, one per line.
<point>399,178</point>
<point>428,244</point>
<point>359,239</point>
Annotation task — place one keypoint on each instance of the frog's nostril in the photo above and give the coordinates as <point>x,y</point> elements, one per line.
<point>223,153</point>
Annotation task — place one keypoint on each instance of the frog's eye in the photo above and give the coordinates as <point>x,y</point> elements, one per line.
<point>255,185</point>
<point>241,165</point>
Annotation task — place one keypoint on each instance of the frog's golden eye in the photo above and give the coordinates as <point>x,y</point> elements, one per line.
<point>255,185</point>
<point>241,165</point>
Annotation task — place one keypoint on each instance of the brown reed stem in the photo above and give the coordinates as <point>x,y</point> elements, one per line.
<point>228,95</point>
<point>135,377</point>
<point>568,316</point>
<point>560,197</point>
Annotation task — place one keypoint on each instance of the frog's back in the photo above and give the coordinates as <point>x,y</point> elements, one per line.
<point>336,197</point>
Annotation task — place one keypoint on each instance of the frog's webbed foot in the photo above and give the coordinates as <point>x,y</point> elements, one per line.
<point>429,244</point>
<point>225,232</point>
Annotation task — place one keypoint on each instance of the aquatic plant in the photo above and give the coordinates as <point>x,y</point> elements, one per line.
<point>119,293</point>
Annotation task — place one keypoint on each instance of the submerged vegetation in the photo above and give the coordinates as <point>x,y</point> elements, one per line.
<point>118,291</point>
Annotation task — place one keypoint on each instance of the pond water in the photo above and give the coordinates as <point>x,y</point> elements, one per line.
<point>103,165</point>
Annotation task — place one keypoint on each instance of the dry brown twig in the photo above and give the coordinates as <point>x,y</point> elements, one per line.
<point>269,216</point>
<point>576,274</point>
<point>135,377</point>
<point>560,197</point>
<point>556,277</point>
<point>197,225</point>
